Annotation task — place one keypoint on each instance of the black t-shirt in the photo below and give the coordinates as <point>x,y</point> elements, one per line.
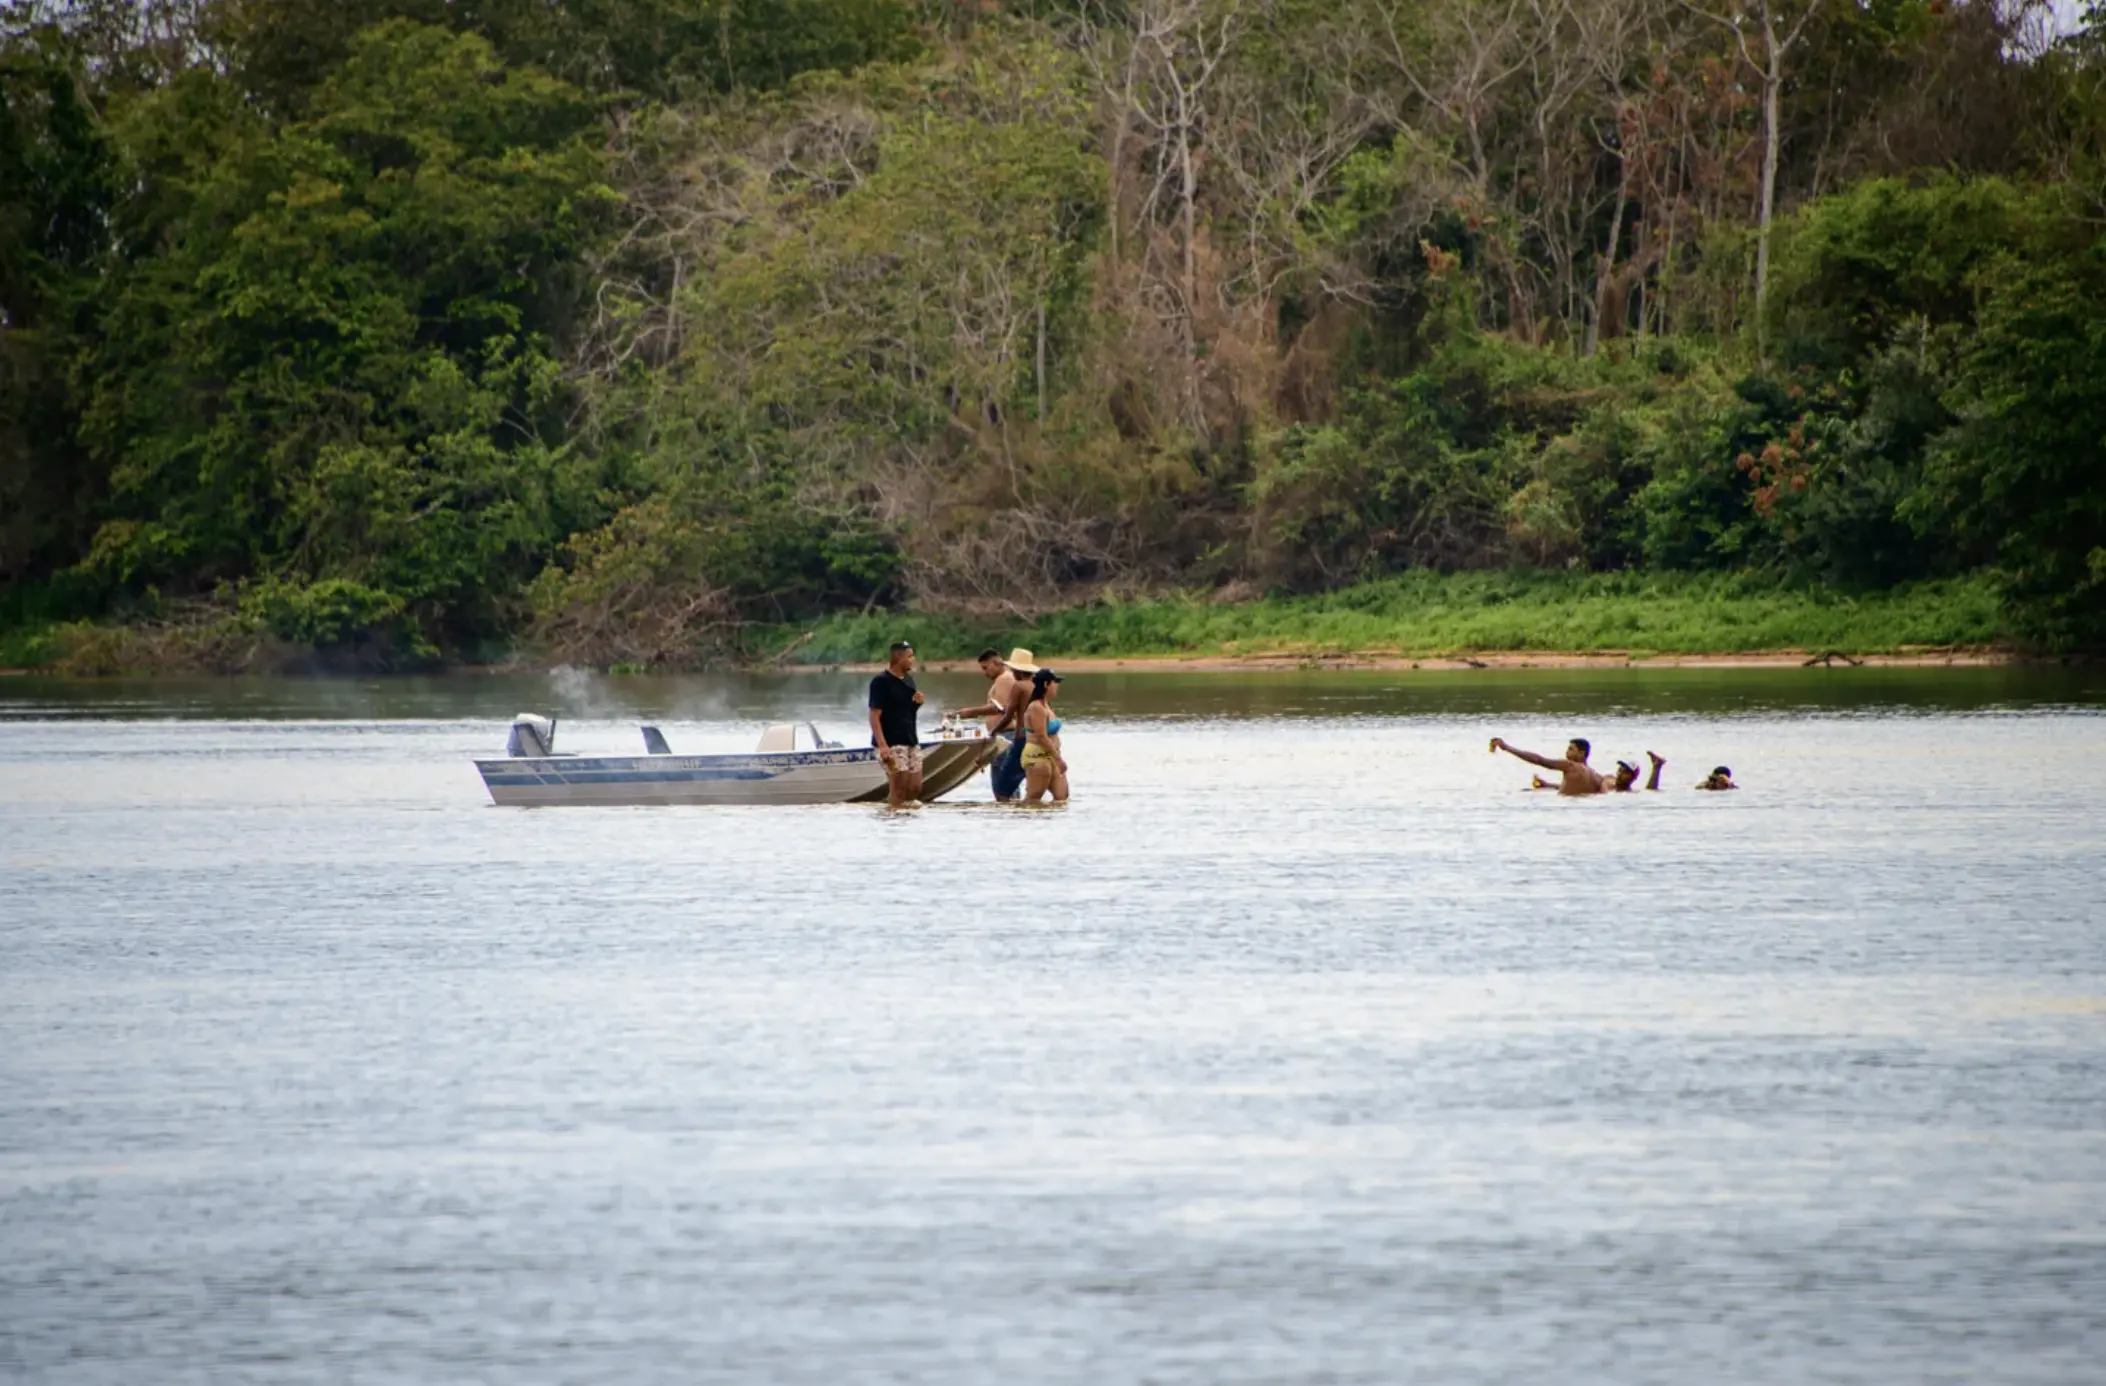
<point>893,697</point>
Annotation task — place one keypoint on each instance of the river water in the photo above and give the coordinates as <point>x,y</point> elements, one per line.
<point>1300,1047</point>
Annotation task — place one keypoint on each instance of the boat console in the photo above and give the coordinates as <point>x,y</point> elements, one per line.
<point>783,737</point>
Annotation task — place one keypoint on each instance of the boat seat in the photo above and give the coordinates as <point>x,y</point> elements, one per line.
<point>781,737</point>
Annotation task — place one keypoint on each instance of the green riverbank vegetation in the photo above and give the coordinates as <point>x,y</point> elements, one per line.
<point>375,333</point>
<point>1420,613</point>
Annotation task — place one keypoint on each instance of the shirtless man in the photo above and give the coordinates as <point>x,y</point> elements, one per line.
<point>1007,698</point>
<point>1626,776</point>
<point>1003,682</point>
<point>1576,776</point>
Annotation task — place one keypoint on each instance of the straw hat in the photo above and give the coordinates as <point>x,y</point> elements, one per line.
<point>1021,661</point>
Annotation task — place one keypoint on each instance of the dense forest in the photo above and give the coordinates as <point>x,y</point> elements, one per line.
<point>407,329</point>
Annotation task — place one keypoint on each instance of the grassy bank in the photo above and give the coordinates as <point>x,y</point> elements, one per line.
<point>1434,614</point>
<point>1417,614</point>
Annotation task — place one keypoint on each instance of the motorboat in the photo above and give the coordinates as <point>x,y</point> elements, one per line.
<point>777,771</point>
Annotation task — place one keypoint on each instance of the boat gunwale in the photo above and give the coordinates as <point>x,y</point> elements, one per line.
<point>757,767</point>
<point>838,755</point>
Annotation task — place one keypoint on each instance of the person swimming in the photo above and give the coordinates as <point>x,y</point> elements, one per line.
<point>1575,775</point>
<point>1719,778</point>
<point>1625,777</point>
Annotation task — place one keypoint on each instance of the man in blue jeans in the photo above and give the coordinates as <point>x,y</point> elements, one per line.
<point>1004,711</point>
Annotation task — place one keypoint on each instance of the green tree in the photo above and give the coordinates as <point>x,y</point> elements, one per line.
<point>284,50</point>
<point>2023,472</point>
<point>1867,263</point>
<point>340,368</point>
<point>58,183</point>
<point>877,295</point>
<point>729,532</point>
<point>1968,307</point>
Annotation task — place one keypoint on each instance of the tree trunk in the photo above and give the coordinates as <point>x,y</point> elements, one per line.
<point>1115,162</point>
<point>1041,360</point>
<point>1772,96</point>
<point>1608,261</point>
<point>1189,226</point>
<point>1188,216</point>
<point>1111,184</point>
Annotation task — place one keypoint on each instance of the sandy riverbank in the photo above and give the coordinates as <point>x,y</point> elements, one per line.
<point>1298,661</point>
<point>1301,661</point>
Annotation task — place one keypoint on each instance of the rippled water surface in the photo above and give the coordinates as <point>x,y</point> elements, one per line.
<point>1299,1047</point>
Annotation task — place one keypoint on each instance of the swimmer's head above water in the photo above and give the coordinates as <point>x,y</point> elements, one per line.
<point>1719,778</point>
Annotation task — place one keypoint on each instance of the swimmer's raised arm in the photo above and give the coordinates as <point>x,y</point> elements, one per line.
<point>1499,744</point>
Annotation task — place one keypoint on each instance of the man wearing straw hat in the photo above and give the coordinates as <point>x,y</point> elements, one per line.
<point>1004,711</point>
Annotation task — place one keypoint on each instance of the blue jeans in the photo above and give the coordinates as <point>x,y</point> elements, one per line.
<point>1007,772</point>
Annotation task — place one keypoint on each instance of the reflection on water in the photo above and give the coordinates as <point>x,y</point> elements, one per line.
<point>1301,1046</point>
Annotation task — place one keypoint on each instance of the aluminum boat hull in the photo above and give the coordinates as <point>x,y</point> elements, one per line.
<point>944,766</point>
<point>762,777</point>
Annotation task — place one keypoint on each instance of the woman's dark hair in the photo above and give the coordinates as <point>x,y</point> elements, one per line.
<point>1040,682</point>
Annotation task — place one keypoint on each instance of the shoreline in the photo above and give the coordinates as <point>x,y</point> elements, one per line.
<point>1255,662</point>
<point>1387,661</point>
<point>1512,620</point>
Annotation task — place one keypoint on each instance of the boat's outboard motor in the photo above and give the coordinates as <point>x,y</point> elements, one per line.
<point>532,736</point>
<point>654,742</point>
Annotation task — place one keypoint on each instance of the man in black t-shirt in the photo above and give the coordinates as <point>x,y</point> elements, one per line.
<point>894,703</point>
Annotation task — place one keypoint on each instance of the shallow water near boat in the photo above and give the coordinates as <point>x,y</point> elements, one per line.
<point>1301,1046</point>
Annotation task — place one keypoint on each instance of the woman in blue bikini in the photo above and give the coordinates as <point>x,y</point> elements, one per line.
<point>1043,767</point>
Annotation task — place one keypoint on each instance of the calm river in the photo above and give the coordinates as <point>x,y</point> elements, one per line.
<point>1300,1047</point>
